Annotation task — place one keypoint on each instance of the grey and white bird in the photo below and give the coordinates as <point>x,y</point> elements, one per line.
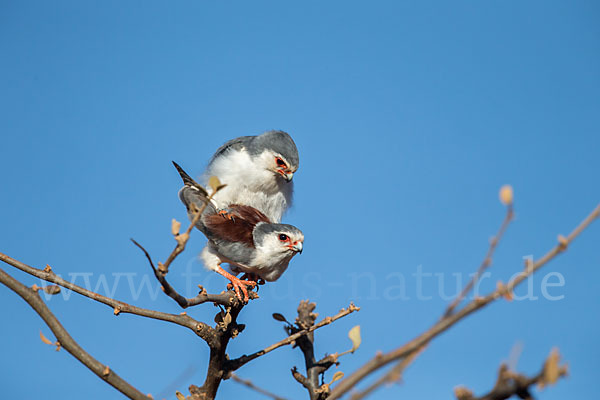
<point>258,171</point>
<point>247,240</point>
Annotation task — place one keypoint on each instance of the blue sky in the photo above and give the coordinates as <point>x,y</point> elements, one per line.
<point>408,116</point>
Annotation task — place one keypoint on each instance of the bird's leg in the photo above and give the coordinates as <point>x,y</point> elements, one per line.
<point>226,213</point>
<point>237,283</point>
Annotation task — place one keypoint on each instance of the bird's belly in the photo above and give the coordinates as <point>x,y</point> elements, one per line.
<point>273,205</point>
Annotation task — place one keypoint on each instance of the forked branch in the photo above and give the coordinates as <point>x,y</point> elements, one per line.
<point>511,383</point>
<point>65,340</point>
<point>381,360</point>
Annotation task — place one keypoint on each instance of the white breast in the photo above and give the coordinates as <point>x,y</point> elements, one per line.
<point>250,183</point>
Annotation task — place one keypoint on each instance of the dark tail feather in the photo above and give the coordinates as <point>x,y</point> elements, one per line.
<point>187,180</point>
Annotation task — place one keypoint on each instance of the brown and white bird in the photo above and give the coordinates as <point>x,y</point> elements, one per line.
<point>245,239</point>
<point>258,171</point>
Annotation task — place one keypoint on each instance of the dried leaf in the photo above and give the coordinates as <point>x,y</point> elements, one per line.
<point>175,227</point>
<point>214,183</point>
<point>279,317</point>
<point>354,335</point>
<point>506,195</point>
<point>45,339</point>
<point>552,369</point>
<point>179,395</point>
<point>337,376</point>
<point>462,393</point>
<point>227,320</point>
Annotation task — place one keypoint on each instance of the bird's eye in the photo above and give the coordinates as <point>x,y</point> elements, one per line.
<point>283,237</point>
<point>280,162</point>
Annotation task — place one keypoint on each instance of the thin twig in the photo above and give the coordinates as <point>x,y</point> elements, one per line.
<point>486,263</point>
<point>67,342</point>
<point>182,239</point>
<point>235,364</point>
<point>200,328</point>
<point>160,272</point>
<point>380,360</point>
<point>250,385</point>
<point>393,375</point>
<point>225,299</point>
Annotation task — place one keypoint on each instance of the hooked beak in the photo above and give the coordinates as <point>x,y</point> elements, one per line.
<point>297,247</point>
<point>288,176</point>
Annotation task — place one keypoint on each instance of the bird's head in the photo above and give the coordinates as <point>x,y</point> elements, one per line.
<point>277,153</point>
<point>278,240</point>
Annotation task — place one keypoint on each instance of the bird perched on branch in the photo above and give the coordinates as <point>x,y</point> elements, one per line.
<point>258,171</point>
<point>247,240</point>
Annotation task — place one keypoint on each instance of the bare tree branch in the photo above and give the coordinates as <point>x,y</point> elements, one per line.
<point>252,386</point>
<point>200,328</point>
<point>510,383</point>
<point>235,364</point>
<point>65,340</point>
<point>227,328</point>
<point>395,373</point>
<point>305,320</point>
<point>381,360</point>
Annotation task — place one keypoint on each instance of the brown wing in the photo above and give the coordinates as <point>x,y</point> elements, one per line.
<point>238,229</point>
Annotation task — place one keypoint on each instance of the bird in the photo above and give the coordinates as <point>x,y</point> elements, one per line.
<point>247,240</point>
<point>258,171</point>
